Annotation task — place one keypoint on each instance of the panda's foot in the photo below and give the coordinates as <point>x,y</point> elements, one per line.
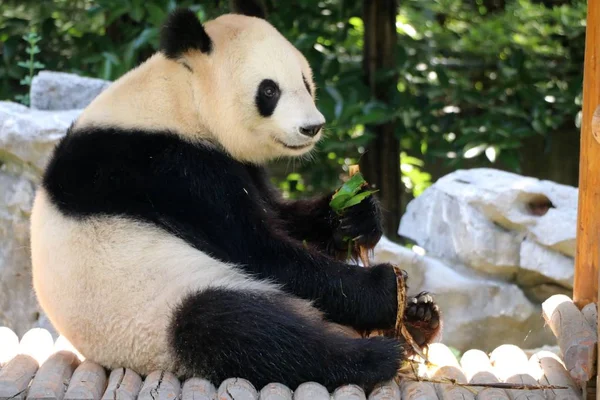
<point>422,318</point>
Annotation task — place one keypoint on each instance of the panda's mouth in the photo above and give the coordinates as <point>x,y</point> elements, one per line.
<point>293,147</point>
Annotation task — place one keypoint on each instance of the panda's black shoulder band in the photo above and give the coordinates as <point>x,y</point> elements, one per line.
<point>183,32</point>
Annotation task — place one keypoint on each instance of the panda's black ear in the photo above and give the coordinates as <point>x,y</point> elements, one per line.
<point>183,32</point>
<point>251,8</point>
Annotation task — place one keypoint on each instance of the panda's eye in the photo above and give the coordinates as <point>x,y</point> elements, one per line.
<point>267,97</point>
<point>269,91</point>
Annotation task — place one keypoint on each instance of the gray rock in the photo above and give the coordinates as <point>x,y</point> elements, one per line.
<point>453,230</point>
<point>477,312</point>
<point>62,91</point>
<point>495,223</point>
<point>27,136</point>
<point>19,309</point>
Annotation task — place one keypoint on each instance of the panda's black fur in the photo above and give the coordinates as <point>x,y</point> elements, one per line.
<point>229,210</point>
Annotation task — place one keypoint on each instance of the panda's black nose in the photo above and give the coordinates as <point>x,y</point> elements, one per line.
<point>311,130</point>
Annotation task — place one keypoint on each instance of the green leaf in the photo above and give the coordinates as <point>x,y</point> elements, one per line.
<point>348,195</point>
<point>352,185</point>
<point>338,201</point>
<point>358,198</point>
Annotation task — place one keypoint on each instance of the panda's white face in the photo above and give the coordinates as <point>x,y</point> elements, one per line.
<point>264,85</point>
<point>243,86</point>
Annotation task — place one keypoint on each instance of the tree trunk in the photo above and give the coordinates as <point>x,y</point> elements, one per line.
<point>381,161</point>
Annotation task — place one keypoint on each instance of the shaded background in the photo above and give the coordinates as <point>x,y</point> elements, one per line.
<point>413,89</point>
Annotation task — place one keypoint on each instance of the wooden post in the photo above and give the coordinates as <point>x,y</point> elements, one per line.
<point>585,289</point>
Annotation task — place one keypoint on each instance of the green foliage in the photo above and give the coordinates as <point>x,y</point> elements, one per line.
<point>476,78</point>
<point>32,38</point>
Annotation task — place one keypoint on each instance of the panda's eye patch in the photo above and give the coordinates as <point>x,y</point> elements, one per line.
<point>267,96</point>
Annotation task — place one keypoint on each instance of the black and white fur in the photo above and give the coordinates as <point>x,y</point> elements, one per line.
<point>159,243</point>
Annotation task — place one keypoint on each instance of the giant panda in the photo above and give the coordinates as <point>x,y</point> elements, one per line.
<point>158,242</point>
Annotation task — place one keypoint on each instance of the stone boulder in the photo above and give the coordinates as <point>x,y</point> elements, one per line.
<point>501,225</point>
<point>61,91</point>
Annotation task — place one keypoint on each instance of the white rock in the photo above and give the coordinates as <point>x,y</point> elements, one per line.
<point>62,91</point>
<point>454,231</point>
<point>538,260</point>
<point>481,218</point>
<point>27,136</point>
<point>503,198</point>
<point>477,312</point>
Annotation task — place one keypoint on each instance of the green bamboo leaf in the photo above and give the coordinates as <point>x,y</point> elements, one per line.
<point>337,202</point>
<point>345,193</point>
<point>358,198</point>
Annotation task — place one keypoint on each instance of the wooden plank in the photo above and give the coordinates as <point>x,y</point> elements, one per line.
<point>160,385</point>
<point>549,370</point>
<point>37,343</point>
<point>576,339</point>
<point>524,394</point>
<point>590,313</point>
<point>311,391</point>
<point>449,391</point>
<point>52,379</point>
<point>349,392</point>
<point>16,376</point>
<point>198,389</point>
<point>87,383</point>
<point>386,391</point>
<point>445,366</point>
<point>237,389</point>
<point>9,345</point>
<point>478,369</point>
<point>276,391</point>
<point>511,365</point>
<point>123,384</point>
<point>587,255</point>
<point>412,390</point>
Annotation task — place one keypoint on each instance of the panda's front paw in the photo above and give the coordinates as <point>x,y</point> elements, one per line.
<point>422,318</point>
<point>362,223</point>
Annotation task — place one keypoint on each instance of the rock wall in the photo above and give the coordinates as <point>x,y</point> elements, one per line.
<point>496,244</point>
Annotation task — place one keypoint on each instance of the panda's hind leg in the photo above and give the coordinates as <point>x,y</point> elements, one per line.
<point>264,337</point>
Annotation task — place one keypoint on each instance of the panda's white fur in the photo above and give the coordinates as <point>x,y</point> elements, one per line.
<point>158,242</point>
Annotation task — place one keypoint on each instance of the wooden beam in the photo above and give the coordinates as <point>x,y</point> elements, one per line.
<point>576,339</point>
<point>585,289</point>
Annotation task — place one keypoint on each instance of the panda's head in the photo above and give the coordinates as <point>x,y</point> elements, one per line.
<point>252,89</point>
